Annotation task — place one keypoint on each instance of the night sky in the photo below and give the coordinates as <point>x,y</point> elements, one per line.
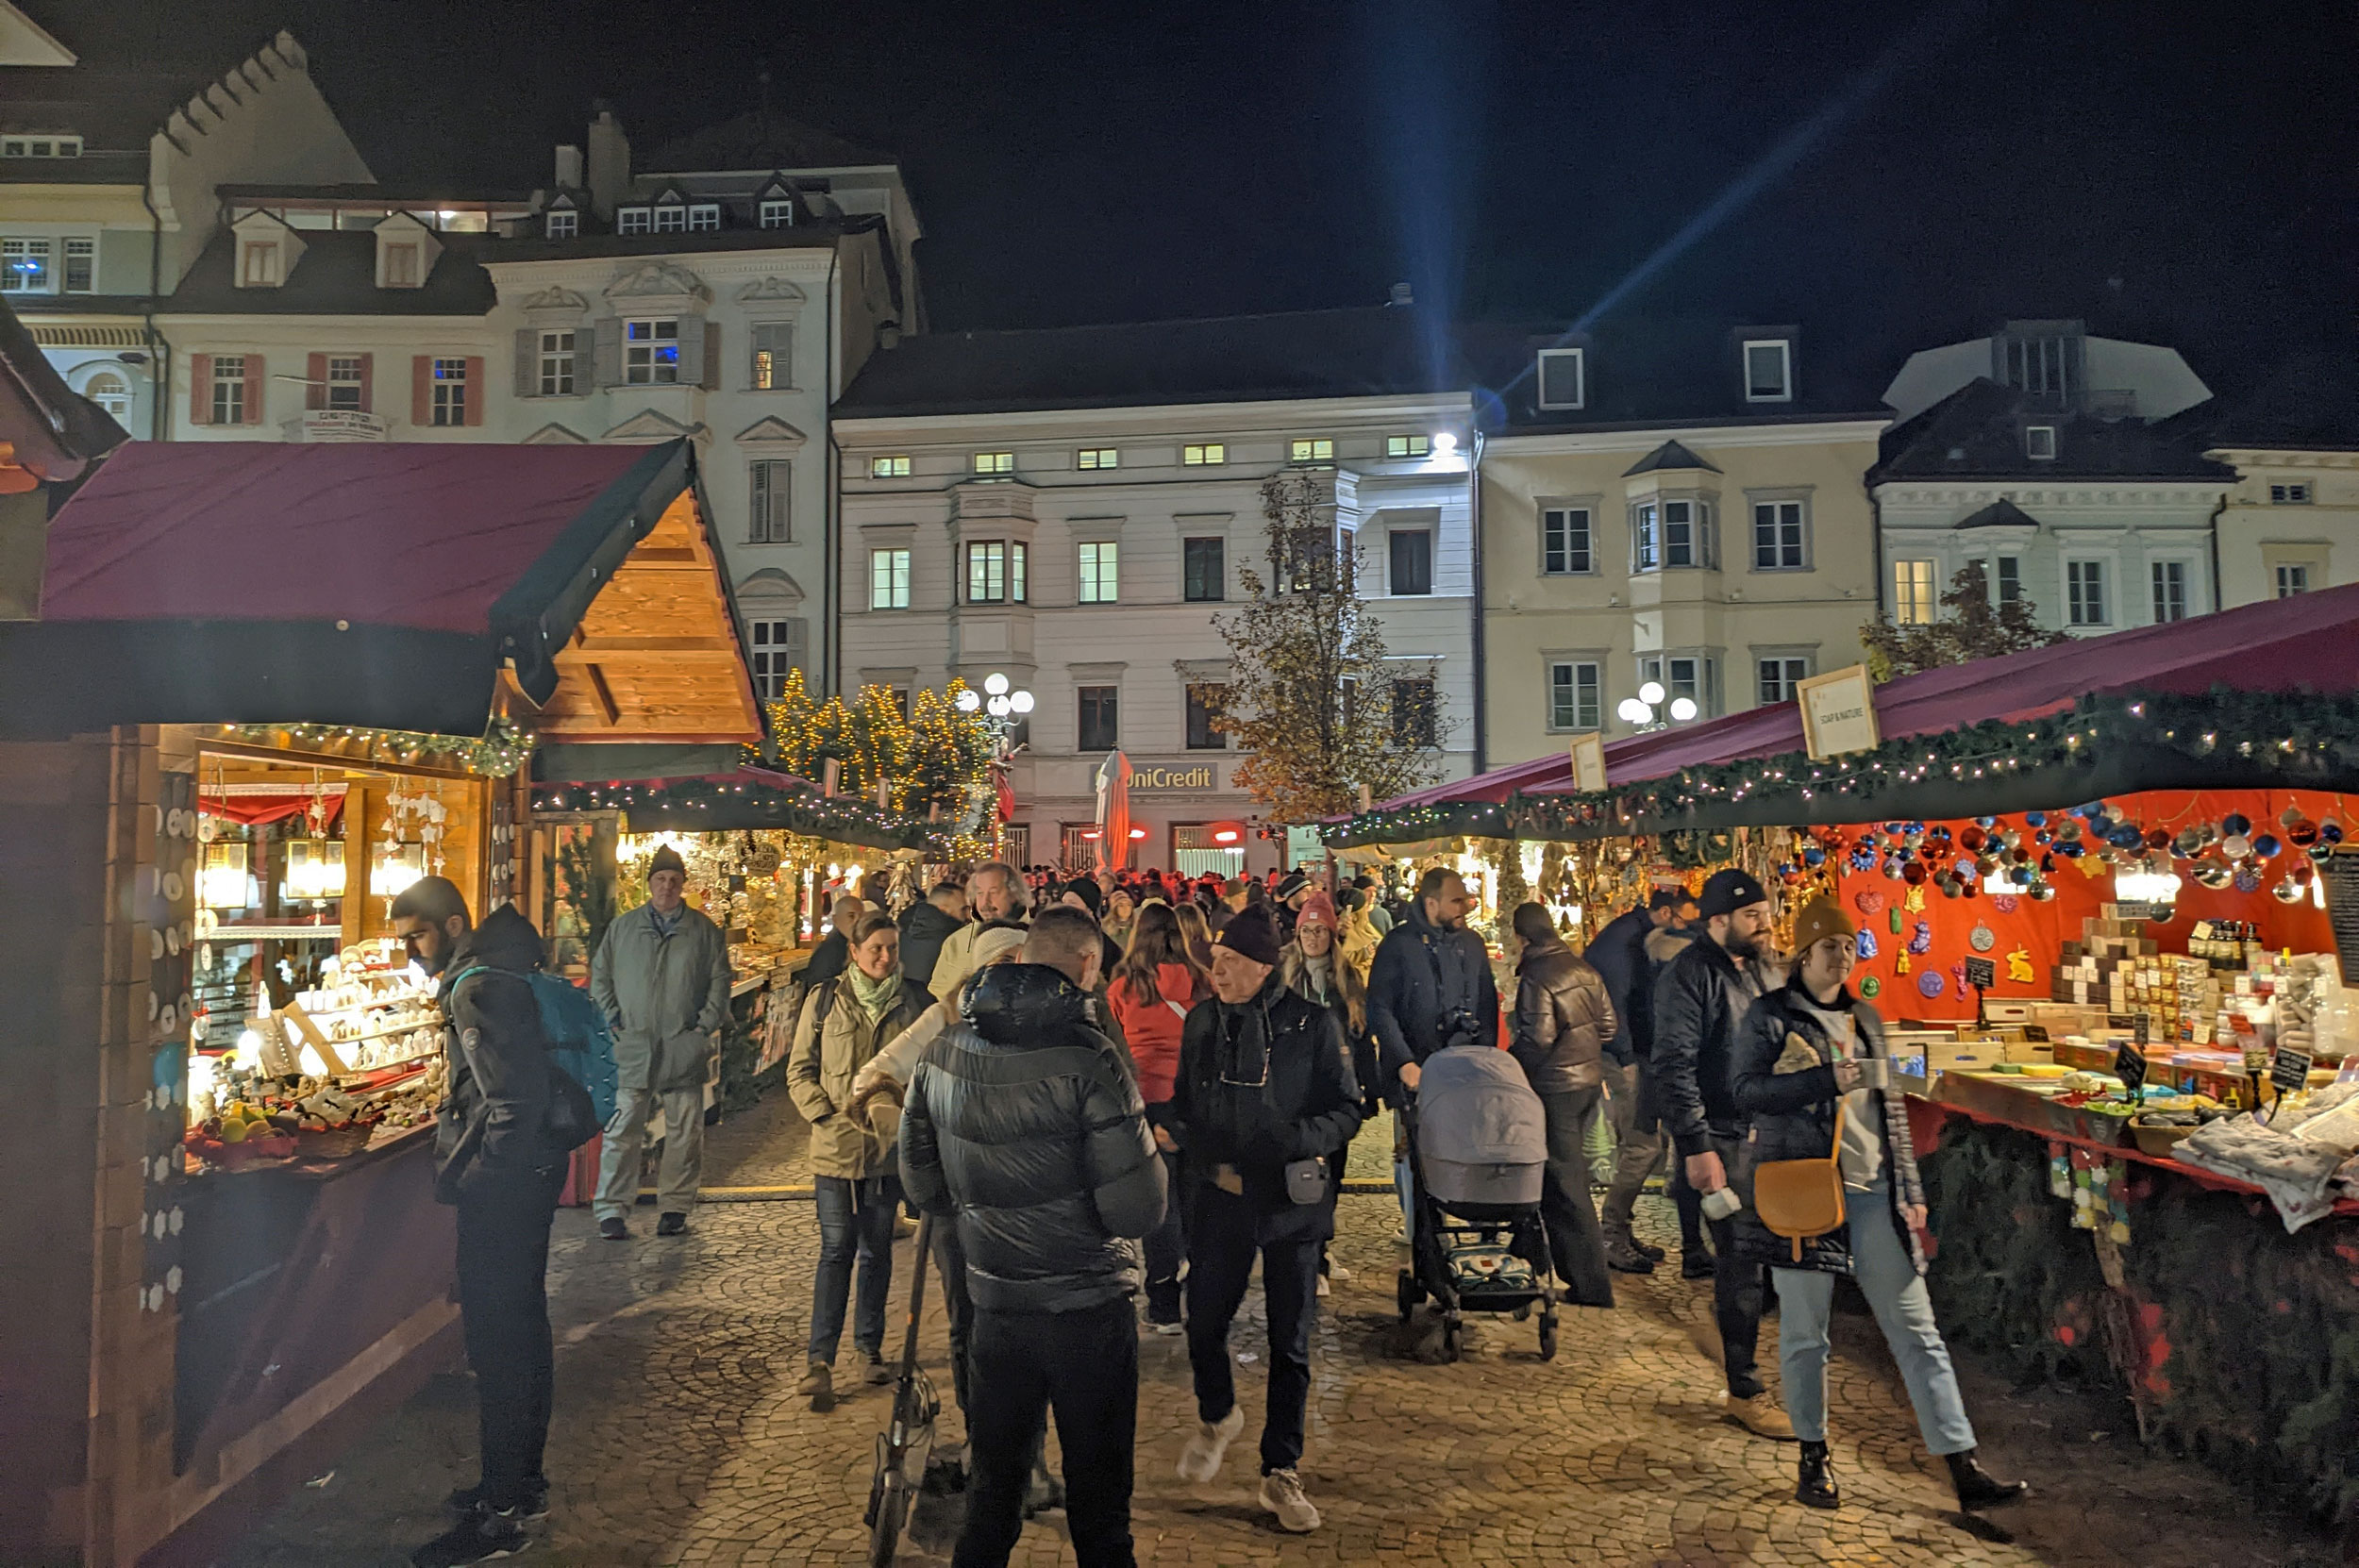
<point>1894,175</point>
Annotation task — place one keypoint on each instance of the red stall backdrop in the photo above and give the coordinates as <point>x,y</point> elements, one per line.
<point>2023,938</point>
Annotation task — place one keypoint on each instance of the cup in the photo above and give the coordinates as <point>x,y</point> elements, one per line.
<point>1875,1073</point>
<point>1722,1203</point>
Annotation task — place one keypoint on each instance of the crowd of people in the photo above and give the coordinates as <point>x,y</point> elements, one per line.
<point>1118,1095</point>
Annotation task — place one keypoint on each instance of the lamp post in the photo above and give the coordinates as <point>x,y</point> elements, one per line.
<point>1005,704</point>
<point>1640,711</point>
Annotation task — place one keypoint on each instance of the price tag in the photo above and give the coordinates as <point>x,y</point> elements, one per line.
<point>2129,1067</point>
<point>2290,1069</point>
<point>1981,973</point>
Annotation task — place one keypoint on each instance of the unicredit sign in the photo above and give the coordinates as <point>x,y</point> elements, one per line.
<point>1197,777</point>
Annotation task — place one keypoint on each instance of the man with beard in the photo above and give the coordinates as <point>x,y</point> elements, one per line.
<point>1699,1001</point>
<point>995,894</point>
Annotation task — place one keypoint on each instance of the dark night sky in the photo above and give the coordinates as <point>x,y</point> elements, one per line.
<point>2188,174</point>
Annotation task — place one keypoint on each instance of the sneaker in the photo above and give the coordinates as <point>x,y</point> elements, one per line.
<point>531,1509</point>
<point>1759,1416</point>
<point>1695,1263</point>
<point>1339,1274</point>
<point>1281,1494</point>
<point>1199,1461</point>
<point>1169,1330</point>
<point>878,1372</point>
<point>481,1535</point>
<point>614,1230</point>
<point>673,1223</point>
<point>818,1385</point>
<point>1322,1288</point>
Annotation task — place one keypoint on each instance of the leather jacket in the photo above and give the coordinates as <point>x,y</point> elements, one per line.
<point>1562,1020</point>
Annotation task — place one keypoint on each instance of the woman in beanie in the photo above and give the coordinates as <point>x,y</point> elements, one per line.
<point>1313,968</point>
<point>1803,1048</point>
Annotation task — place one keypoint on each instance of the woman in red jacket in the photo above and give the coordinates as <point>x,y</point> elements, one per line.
<point>1152,990</point>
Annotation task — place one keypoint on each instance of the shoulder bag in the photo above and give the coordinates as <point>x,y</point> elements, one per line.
<point>1803,1198</point>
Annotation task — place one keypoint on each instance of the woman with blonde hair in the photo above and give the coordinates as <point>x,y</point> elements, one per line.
<point>1150,995</point>
<point>1195,931</point>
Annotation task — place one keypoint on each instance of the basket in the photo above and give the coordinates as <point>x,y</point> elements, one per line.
<point>2158,1141</point>
<point>335,1142</point>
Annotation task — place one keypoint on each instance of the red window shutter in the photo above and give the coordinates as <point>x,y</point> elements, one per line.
<point>368,382</point>
<point>200,389</point>
<point>421,389</point>
<point>257,388</point>
<point>477,389</point>
<point>315,382</point>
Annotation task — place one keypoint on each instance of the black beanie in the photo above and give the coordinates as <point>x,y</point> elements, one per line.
<point>1248,933</point>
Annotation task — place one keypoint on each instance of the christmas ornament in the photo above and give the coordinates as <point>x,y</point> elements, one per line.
<point>1930,984</point>
<point>1982,939</point>
<point>1871,987</point>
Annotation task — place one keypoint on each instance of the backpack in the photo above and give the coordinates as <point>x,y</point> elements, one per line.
<point>580,1045</point>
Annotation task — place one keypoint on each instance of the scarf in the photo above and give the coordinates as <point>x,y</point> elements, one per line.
<point>1320,972</point>
<point>876,997</point>
<point>665,924</point>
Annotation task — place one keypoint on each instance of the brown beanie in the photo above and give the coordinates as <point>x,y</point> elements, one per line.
<point>1820,918</point>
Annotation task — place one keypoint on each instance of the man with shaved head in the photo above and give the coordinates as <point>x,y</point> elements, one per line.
<point>827,961</point>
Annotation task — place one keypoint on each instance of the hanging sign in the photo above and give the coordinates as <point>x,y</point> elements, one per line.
<point>1589,763</point>
<point>2129,1066</point>
<point>1981,973</point>
<point>1838,712</point>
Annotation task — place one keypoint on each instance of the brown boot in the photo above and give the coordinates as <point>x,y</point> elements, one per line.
<point>1759,1416</point>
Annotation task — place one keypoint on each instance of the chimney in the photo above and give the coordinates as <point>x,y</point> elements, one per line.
<point>609,161</point>
<point>569,168</point>
<point>1401,295</point>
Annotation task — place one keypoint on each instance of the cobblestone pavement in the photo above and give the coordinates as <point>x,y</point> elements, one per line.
<point>678,1440</point>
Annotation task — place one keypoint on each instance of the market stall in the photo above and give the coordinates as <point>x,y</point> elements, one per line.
<point>269,687</point>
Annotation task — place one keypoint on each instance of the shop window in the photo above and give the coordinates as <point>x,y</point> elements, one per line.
<point>1576,695</point>
<point>1100,717</point>
<point>651,352</point>
<point>1100,575</point>
<point>889,579</point>
<point>778,647</point>
<point>1204,704</point>
<point>1415,720</point>
<point>1204,570</point>
<point>773,493</point>
<point>1206,849</point>
<point>1566,542</point>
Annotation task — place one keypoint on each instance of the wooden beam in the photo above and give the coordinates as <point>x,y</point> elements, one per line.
<point>588,644</point>
<point>604,694</point>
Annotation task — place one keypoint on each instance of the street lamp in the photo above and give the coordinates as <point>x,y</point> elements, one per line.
<point>1639,711</point>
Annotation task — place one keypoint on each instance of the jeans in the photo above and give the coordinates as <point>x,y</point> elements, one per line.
<point>1085,1366</point>
<point>1221,1250</point>
<point>855,1222</point>
<point>1888,1277</point>
<point>627,1142</point>
<point>1576,1248</point>
<point>1167,1249</point>
<point>1736,1288</point>
<point>504,1313</point>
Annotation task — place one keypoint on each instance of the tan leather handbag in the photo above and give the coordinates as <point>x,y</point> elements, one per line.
<point>1803,1198</point>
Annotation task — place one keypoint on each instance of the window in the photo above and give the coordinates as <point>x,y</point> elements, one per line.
<point>1204,731</point>
<point>41,146</point>
<point>1102,729</point>
<point>779,213</point>
<point>346,383</point>
<point>450,392</point>
<point>1646,539</point>
<point>401,266</point>
<point>1913,600</point>
<point>651,352</point>
<point>1576,695</point>
<point>555,364</point>
<point>1414,719</point>
<point>1097,456</point>
<point>778,647</point>
<point>2085,593</point>
<point>1311,449</point>
<point>1564,378</point>
<point>773,492</point>
<point>1768,370</point>
<point>889,468</point>
<point>2170,590</point>
<point>1778,536</point>
<point>229,389</point>
<point>2039,442</point>
<point>1204,455</point>
<point>1688,675</point>
<point>2292,493</point>
<point>111,393</point>
<point>81,268</point>
<point>774,356</point>
<point>1100,575</point>
<point>2010,579</point>
<point>995,462</point>
<point>1407,447</point>
<point>1565,541</point>
<point>1686,533</point>
<point>1204,570</point>
<point>25,266</point>
<point>671,218</point>
<point>257,264</point>
<point>563,223</point>
<point>1779,676</point>
<point>631,220</point>
<point>889,579</point>
<point>704,216</point>
<point>2037,364</point>
<point>995,572</point>
<point>1411,551</point>
<point>2293,577</point>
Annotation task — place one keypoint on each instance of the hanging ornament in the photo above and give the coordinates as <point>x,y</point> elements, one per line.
<point>1913,874</point>
<point>1930,984</point>
<point>1894,918</point>
<point>2301,832</point>
<point>1867,901</point>
<point>2019,966</point>
<point>2006,902</point>
<point>1915,900</point>
<point>2290,815</point>
<point>1871,987</point>
<point>2288,891</point>
<point>2187,844</point>
<point>2248,879</point>
<point>1921,940</point>
<point>2235,824</point>
<point>2235,845</point>
<point>2214,874</point>
<point>1982,939</point>
<point>2266,847</point>
<point>1900,964</point>
<point>1866,946</point>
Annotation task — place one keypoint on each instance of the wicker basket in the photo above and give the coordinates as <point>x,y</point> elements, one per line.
<point>2158,1141</point>
<point>335,1142</point>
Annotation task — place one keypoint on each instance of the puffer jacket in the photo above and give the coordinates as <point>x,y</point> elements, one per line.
<point>1792,1108</point>
<point>1619,954</point>
<point>1562,1020</point>
<point>1700,999</point>
<point>1026,1124</point>
<point>924,930</point>
<point>664,996</point>
<point>491,1127</point>
<point>829,1053</point>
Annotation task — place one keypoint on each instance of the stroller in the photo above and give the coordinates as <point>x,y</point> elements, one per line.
<point>1478,1143</point>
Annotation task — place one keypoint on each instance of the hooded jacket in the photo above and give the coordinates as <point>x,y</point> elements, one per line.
<point>1262,1083</point>
<point>1562,1020</point>
<point>1419,969</point>
<point>827,1054</point>
<point>664,995</point>
<point>1619,955</point>
<point>488,1128</point>
<point>1026,1124</point>
<point>923,928</point>
<point>1700,1000</point>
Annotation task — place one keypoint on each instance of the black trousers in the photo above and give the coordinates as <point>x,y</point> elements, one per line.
<point>504,1311</point>
<point>1737,1294</point>
<point>1576,1245</point>
<point>950,1264</point>
<point>1085,1366</point>
<point>1221,1250</point>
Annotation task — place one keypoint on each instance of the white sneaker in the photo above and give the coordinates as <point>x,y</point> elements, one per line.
<point>1199,1461</point>
<point>1281,1494</point>
<point>1321,1286</point>
<point>1339,1274</point>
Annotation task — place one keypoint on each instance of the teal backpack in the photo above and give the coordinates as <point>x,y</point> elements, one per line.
<point>580,1042</point>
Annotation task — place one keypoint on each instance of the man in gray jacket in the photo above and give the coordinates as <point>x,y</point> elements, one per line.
<point>662,977</point>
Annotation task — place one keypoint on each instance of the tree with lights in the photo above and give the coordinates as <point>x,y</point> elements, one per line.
<point>1973,629</point>
<point>932,760</point>
<point>1311,698</point>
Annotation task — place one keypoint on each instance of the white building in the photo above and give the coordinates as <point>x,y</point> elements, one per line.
<point>1071,508</point>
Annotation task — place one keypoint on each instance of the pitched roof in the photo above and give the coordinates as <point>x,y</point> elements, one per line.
<point>1642,371</point>
<point>2001,513</point>
<point>336,276</point>
<point>1976,433</point>
<point>760,140</point>
<point>1669,455</point>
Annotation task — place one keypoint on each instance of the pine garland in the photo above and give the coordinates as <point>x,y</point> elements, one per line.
<point>497,753</point>
<point>706,805</point>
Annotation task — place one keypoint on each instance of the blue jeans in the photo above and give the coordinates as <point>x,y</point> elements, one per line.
<point>855,1222</point>
<point>1887,1276</point>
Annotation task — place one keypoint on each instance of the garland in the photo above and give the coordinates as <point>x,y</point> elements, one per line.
<point>2272,740</point>
<point>713,805</point>
<point>498,754</point>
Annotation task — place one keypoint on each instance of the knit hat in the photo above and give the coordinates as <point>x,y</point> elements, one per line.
<point>1820,918</point>
<point>1294,883</point>
<point>994,942</point>
<point>1249,934</point>
<point>666,858</point>
<point>1727,892</point>
<point>1318,910</point>
<point>1093,898</point>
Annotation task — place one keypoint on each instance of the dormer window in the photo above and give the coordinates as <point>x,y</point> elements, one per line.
<point>1768,370</point>
<point>671,215</point>
<point>2039,442</point>
<point>777,214</point>
<point>703,216</point>
<point>563,223</point>
<point>632,220</point>
<point>401,266</point>
<point>257,264</point>
<point>1562,374</point>
<point>41,146</point>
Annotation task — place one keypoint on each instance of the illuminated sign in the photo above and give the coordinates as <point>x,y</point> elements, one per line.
<point>1197,777</point>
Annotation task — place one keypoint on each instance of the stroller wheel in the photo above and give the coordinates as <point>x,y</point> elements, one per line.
<point>1547,1336</point>
<point>1453,1338</point>
<point>1523,1314</point>
<point>1409,1292</point>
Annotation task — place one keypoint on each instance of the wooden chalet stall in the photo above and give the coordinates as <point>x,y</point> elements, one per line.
<point>269,685</point>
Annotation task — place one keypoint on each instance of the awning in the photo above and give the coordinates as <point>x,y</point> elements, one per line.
<point>387,586</point>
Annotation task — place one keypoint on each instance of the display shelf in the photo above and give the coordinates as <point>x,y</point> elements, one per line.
<point>233,934</point>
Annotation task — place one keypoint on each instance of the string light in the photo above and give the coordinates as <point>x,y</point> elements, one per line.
<point>502,748</point>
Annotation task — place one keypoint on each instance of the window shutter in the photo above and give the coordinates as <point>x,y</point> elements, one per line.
<point>421,389</point>
<point>478,392</point>
<point>585,363</point>
<point>200,389</point>
<point>609,349</point>
<point>257,388</point>
<point>315,382</point>
<point>527,362</point>
<point>368,382</point>
<point>713,357</point>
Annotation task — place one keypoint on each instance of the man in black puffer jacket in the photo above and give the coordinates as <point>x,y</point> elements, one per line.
<point>1024,1123</point>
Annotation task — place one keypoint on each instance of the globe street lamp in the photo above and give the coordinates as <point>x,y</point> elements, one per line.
<point>1640,711</point>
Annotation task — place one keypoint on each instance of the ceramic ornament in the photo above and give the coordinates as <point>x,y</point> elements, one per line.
<point>1982,939</point>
